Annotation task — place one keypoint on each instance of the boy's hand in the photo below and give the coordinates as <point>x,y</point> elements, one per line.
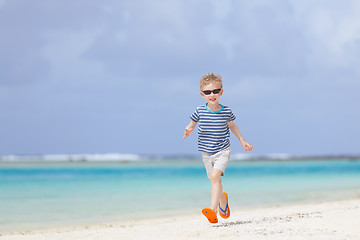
<point>187,132</point>
<point>247,146</point>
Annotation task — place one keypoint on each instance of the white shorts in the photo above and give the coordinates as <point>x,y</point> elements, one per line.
<point>217,160</point>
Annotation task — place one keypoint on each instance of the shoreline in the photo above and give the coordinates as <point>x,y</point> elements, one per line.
<point>324,220</point>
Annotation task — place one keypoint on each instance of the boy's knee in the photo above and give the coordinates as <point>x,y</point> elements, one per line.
<point>215,176</point>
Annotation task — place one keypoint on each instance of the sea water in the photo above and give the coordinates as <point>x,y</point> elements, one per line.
<point>40,195</point>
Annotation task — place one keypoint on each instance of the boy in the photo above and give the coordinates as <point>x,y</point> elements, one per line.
<point>215,120</point>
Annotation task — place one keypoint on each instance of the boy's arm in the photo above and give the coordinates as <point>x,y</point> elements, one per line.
<point>189,128</point>
<point>235,130</point>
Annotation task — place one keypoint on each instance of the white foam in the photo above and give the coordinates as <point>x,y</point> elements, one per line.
<point>71,157</point>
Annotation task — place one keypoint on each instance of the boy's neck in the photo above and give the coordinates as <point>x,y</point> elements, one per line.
<point>213,107</point>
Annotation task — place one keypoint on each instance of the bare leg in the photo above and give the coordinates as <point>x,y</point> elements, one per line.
<point>217,191</point>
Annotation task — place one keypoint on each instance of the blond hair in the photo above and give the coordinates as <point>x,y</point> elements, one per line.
<point>210,78</point>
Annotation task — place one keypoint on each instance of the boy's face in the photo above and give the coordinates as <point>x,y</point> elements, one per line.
<point>212,98</point>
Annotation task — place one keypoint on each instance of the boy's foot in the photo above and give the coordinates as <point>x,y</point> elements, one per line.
<point>210,215</point>
<point>225,213</point>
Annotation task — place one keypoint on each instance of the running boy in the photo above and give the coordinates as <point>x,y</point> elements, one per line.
<point>215,120</point>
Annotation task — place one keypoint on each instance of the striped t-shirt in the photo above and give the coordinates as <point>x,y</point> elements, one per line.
<point>213,129</point>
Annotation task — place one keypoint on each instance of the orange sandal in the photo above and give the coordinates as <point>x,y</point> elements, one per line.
<point>210,215</point>
<point>227,208</point>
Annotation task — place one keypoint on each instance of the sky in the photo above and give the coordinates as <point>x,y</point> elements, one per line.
<point>90,76</point>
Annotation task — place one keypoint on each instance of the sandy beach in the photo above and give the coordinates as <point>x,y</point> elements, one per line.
<point>328,220</point>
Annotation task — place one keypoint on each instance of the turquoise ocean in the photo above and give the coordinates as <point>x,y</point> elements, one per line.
<point>35,195</point>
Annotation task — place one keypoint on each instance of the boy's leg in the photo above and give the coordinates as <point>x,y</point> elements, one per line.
<point>216,190</point>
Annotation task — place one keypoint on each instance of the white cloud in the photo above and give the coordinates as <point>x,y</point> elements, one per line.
<point>331,27</point>
<point>222,9</point>
<point>64,51</point>
<point>284,57</point>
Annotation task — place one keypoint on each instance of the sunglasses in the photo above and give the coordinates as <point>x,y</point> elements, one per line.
<point>215,91</point>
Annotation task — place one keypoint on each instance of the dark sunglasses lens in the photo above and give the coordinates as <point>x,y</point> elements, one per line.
<point>216,91</point>
<point>207,92</point>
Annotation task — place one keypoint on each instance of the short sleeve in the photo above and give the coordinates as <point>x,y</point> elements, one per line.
<point>231,117</point>
<point>195,116</point>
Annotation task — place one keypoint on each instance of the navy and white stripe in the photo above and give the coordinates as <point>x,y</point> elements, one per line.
<point>213,129</point>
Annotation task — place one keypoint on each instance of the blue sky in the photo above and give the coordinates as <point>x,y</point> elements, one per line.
<point>123,76</point>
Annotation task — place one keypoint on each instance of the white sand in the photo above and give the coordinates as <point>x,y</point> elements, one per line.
<point>332,220</point>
